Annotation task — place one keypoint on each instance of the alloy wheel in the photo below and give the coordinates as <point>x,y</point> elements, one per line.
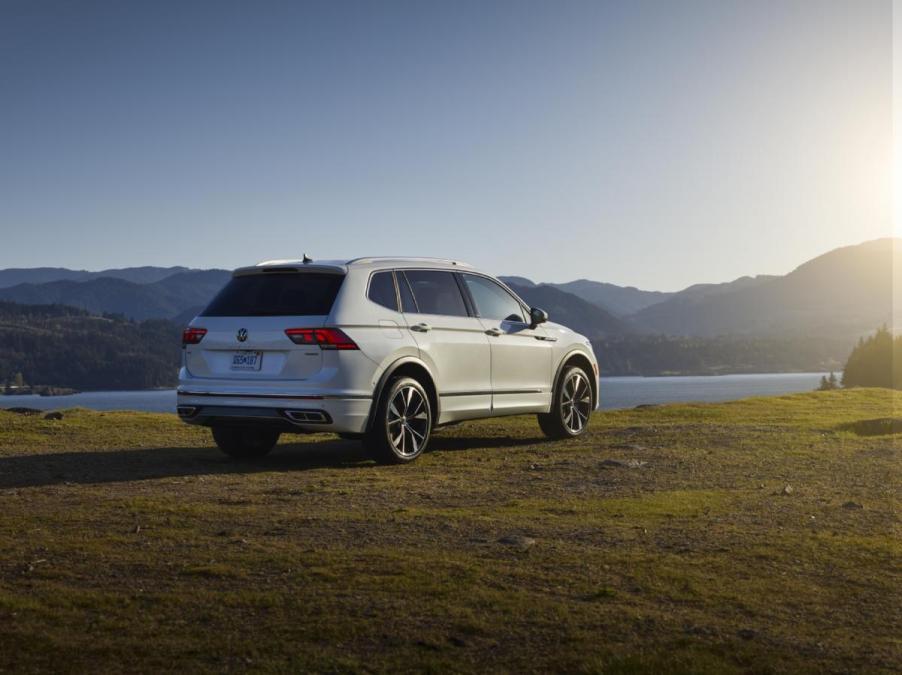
<point>576,402</point>
<point>408,421</point>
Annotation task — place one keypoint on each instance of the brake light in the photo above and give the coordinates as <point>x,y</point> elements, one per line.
<point>326,338</point>
<point>191,336</point>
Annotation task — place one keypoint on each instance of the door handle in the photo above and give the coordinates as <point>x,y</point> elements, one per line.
<point>421,327</point>
<point>494,332</point>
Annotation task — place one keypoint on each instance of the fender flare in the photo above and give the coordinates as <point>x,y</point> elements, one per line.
<point>386,376</point>
<point>560,369</point>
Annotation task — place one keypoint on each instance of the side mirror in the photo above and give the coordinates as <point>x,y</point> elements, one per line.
<point>537,316</point>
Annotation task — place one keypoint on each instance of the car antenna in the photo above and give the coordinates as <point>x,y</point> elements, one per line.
<point>306,259</point>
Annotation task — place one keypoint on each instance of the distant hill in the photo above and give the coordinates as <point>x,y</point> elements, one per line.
<point>518,281</point>
<point>67,347</point>
<point>651,355</point>
<point>163,299</point>
<point>573,312</point>
<point>194,288</point>
<point>844,293</point>
<point>624,301</point>
<point>618,300</point>
<point>698,291</point>
<point>43,275</point>
<point>38,275</point>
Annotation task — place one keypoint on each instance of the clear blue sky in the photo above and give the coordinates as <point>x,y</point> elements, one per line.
<point>655,144</point>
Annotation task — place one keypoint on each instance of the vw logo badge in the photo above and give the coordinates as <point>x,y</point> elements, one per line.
<point>242,334</point>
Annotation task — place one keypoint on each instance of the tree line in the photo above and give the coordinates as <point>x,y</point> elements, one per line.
<point>60,346</point>
<point>876,361</point>
<point>664,355</point>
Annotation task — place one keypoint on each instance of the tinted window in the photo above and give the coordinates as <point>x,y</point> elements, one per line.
<point>290,294</point>
<point>436,293</point>
<point>407,302</point>
<point>492,301</point>
<point>382,290</point>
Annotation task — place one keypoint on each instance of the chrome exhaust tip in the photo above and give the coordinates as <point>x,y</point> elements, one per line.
<point>307,416</point>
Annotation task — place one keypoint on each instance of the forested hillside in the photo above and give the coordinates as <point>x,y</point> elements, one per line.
<point>67,347</point>
<point>661,355</point>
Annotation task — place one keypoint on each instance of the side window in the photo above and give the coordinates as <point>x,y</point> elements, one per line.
<point>408,304</point>
<point>382,290</point>
<point>436,292</point>
<point>492,301</point>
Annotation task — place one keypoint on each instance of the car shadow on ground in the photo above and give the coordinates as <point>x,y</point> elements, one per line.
<point>111,466</point>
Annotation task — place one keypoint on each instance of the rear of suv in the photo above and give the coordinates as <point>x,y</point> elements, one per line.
<point>381,349</point>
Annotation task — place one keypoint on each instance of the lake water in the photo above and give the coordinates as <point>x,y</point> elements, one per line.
<point>616,392</point>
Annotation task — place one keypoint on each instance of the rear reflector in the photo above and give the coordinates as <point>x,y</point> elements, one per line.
<point>326,338</point>
<point>191,336</point>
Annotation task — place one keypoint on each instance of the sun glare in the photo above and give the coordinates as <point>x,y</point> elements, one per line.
<point>897,118</point>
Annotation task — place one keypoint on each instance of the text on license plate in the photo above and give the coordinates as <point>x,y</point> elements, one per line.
<point>247,360</point>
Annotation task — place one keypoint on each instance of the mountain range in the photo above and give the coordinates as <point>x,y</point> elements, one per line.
<point>166,297</point>
<point>842,294</point>
<point>41,275</point>
<point>847,292</point>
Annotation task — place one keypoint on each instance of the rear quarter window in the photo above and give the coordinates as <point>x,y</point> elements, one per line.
<point>382,290</point>
<point>285,294</point>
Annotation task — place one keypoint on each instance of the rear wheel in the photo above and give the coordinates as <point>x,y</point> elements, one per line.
<point>402,424</point>
<point>245,443</point>
<point>570,407</point>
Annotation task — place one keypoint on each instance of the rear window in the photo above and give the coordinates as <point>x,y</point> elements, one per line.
<point>290,294</point>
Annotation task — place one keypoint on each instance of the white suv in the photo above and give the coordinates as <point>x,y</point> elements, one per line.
<point>382,349</point>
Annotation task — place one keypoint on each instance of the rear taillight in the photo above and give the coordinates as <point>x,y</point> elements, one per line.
<point>326,338</point>
<point>191,336</point>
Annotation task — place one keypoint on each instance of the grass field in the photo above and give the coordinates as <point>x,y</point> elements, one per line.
<point>760,535</point>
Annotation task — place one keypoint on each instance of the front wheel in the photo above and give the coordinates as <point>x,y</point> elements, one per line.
<point>570,407</point>
<point>402,424</point>
<point>245,443</point>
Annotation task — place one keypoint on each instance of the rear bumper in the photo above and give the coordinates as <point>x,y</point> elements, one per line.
<point>304,413</point>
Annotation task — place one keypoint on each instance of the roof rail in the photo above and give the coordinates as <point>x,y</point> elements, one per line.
<point>405,259</point>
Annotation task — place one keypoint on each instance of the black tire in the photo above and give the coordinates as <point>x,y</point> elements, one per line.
<point>402,423</point>
<point>245,443</point>
<point>571,406</point>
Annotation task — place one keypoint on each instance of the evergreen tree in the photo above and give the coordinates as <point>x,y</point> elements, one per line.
<point>875,362</point>
<point>829,383</point>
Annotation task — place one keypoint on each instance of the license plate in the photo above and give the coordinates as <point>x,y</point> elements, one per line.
<point>247,360</point>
